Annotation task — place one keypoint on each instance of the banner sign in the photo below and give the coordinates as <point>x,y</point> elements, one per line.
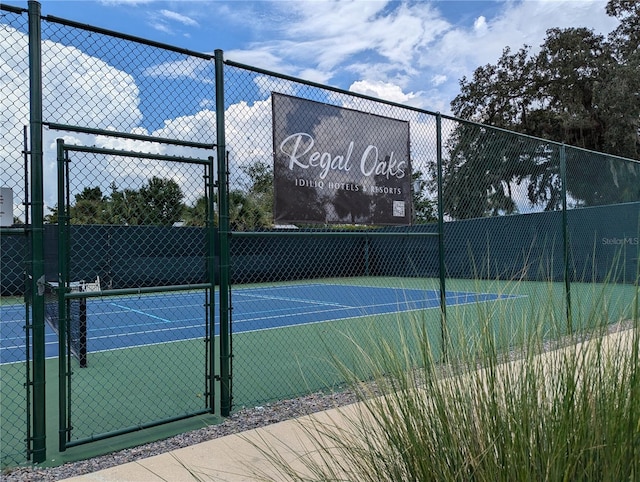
<point>337,165</point>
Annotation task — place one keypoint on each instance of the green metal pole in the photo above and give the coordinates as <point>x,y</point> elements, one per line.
<point>37,234</point>
<point>443,292</point>
<point>565,237</point>
<point>223,225</point>
<point>62,304</point>
<point>211,270</point>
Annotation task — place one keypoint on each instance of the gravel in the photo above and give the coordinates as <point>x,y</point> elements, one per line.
<point>245,419</point>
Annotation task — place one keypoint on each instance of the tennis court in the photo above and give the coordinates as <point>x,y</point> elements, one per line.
<point>132,321</point>
<point>285,336</point>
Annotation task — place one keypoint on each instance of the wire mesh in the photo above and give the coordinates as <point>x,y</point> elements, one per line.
<point>133,222</point>
<point>131,238</point>
<point>76,322</point>
<point>14,176</point>
<point>505,232</point>
<point>132,378</point>
<point>101,80</point>
<point>305,290</point>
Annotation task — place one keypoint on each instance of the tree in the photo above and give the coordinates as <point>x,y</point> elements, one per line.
<point>52,217</point>
<point>581,90</point>
<point>196,215</point>
<point>626,37</point>
<point>90,207</point>
<point>126,207</point>
<point>424,208</point>
<point>158,202</point>
<point>245,214</point>
<point>249,208</point>
<point>253,208</point>
<point>625,44</point>
<point>162,201</point>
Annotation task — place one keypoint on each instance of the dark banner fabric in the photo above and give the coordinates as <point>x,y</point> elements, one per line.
<point>334,165</point>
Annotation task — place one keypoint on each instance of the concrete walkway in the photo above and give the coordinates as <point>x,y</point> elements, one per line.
<point>232,458</point>
<point>236,457</point>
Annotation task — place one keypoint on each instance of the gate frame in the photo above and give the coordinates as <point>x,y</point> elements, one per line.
<point>64,366</point>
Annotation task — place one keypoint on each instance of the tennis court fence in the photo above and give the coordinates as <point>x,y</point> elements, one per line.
<point>217,204</point>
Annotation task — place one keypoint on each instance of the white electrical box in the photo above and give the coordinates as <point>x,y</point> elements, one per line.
<point>6,206</point>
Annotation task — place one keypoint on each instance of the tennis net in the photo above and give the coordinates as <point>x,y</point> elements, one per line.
<point>76,309</point>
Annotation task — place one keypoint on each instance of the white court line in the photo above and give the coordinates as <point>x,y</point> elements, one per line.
<point>298,300</point>
<point>212,336</point>
<point>165,320</point>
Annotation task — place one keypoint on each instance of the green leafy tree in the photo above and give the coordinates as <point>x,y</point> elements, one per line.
<point>424,207</point>
<point>581,90</point>
<point>126,207</point>
<point>245,214</point>
<point>159,202</point>
<point>162,201</point>
<point>52,217</point>
<point>253,208</point>
<point>196,215</point>
<point>90,207</point>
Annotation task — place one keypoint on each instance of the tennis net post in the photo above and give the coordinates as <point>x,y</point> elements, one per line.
<point>76,314</point>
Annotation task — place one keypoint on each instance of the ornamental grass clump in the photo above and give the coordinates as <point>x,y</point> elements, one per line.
<point>536,408</point>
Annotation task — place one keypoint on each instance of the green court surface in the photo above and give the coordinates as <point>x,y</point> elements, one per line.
<point>119,386</point>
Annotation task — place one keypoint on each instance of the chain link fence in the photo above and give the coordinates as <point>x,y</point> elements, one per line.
<point>14,182</point>
<point>448,223</point>
<point>137,208</point>
<point>522,220</point>
<point>136,205</point>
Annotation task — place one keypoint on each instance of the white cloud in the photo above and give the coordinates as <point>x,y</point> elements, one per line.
<point>383,90</point>
<point>161,26</point>
<point>189,127</point>
<point>77,89</point>
<point>459,51</point>
<point>315,75</point>
<point>82,90</point>
<point>248,132</point>
<point>480,25</point>
<point>125,2</point>
<point>165,20</point>
<point>438,79</point>
<point>191,67</point>
<point>330,33</point>
<point>177,17</point>
<point>267,84</point>
<point>261,57</point>
<point>404,43</point>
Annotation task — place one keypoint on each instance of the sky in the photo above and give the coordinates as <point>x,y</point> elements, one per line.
<point>413,52</point>
<point>408,52</point>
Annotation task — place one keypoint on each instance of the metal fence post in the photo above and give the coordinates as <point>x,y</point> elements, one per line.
<point>565,237</point>
<point>37,233</point>
<point>63,251</point>
<point>441,268</point>
<point>223,207</point>
<point>211,269</point>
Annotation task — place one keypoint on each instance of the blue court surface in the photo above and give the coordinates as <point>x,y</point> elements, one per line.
<point>129,321</point>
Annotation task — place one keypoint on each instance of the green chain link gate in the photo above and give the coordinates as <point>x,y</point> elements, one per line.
<point>125,278</point>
